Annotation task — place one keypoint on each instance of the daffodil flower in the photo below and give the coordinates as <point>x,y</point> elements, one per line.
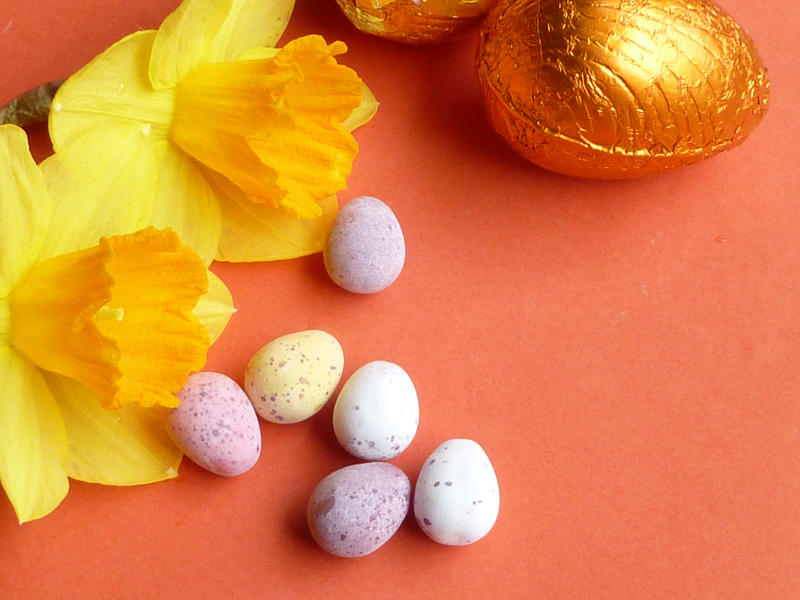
<point>95,340</point>
<point>202,126</point>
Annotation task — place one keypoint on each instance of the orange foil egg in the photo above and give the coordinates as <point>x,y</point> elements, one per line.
<point>415,21</point>
<point>615,89</point>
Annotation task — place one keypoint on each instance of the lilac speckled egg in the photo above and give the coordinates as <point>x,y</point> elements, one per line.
<point>355,510</point>
<point>215,424</point>
<point>457,499</point>
<point>365,250</point>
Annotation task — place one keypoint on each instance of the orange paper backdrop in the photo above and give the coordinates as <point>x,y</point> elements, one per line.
<point>626,352</point>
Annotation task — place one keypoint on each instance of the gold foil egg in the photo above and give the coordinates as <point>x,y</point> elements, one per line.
<point>415,21</point>
<point>614,89</point>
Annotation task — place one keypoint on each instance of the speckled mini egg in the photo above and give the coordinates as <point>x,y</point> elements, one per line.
<point>365,249</point>
<point>377,412</point>
<point>457,498</point>
<point>357,509</point>
<point>293,376</point>
<point>611,89</point>
<point>215,424</point>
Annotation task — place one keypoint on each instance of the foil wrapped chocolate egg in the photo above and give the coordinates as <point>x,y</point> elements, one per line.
<point>615,89</point>
<point>415,21</point>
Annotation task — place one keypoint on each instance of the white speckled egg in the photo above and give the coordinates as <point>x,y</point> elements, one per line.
<point>292,377</point>
<point>457,498</point>
<point>215,424</point>
<point>365,250</point>
<point>357,509</point>
<point>377,412</point>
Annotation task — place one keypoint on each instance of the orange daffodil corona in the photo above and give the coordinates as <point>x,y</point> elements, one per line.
<point>203,127</point>
<point>90,322</point>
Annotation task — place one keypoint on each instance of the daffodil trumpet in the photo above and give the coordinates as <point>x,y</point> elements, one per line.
<point>205,127</point>
<point>101,322</point>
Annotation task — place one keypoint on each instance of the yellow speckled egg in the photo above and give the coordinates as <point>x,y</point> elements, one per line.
<point>415,21</point>
<point>619,88</point>
<point>293,376</point>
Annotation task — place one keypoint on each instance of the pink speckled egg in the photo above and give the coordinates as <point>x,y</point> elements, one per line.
<point>215,424</point>
<point>365,250</point>
<point>357,509</point>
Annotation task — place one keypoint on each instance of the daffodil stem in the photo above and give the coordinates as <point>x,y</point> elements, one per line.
<point>30,107</point>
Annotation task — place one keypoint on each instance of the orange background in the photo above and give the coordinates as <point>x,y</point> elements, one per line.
<point>626,352</point>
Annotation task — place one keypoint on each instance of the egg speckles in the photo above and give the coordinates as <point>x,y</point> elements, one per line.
<point>377,412</point>
<point>457,498</point>
<point>293,376</point>
<point>365,249</point>
<point>215,424</point>
<point>358,508</point>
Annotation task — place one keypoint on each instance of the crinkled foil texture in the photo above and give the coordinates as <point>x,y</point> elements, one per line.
<point>619,88</point>
<point>415,21</point>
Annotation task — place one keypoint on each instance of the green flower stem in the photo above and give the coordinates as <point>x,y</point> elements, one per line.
<point>30,107</point>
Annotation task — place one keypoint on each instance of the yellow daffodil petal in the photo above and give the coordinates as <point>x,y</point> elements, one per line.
<point>185,39</point>
<point>129,446</point>
<point>209,31</point>
<point>251,23</point>
<point>125,184</point>
<point>364,112</point>
<point>33,441</point>
<point>25,207</point>
<point>112,89</point>
<point>258,53</point>
<point>105,182</point>
<point>185,202</point>
<point>5,323</point>
<point>259,232</point>
<point>116,317</point>
<point>273,126</point>
<point>215,307</point>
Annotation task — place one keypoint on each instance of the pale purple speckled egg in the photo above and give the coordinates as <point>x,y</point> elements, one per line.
<point>215,424</point>
<point>355,510</point>
<point>365,250</point>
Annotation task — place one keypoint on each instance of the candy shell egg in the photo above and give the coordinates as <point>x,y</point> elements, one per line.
<point>215,424</point>
<point>293,376</point>
<point>365,249</point>
<point>457,498</point>
<point>357,509</point>
<point>610,89</point>
<point>377,412</point>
